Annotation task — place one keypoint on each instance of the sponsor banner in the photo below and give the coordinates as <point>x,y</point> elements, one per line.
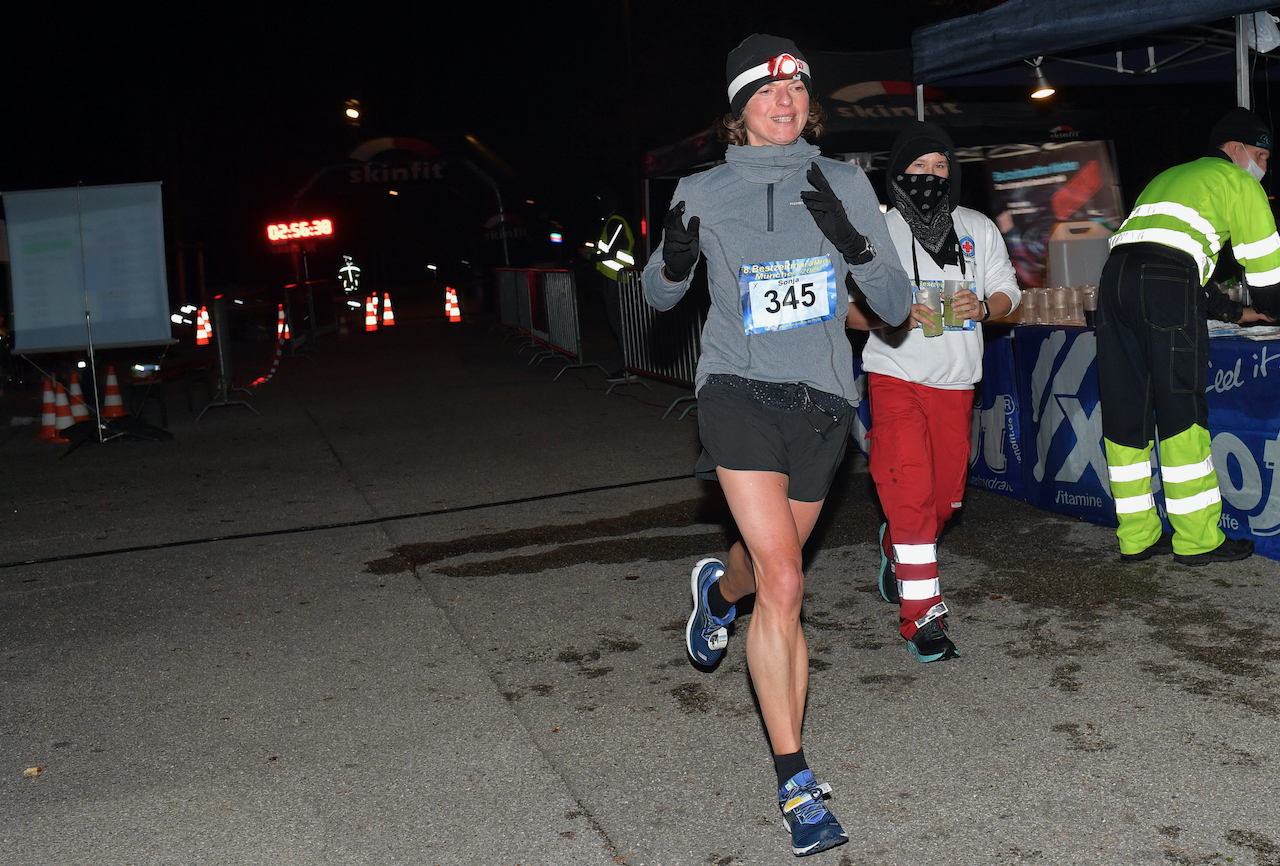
<point>1062,420</point>
<point>1037,435</point>
<point>1064,466</point>
<point>1058,182</point>
<point>1244,422</point>
<point>995,448</point>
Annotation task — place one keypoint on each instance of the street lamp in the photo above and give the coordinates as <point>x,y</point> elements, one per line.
<point>353,112</point>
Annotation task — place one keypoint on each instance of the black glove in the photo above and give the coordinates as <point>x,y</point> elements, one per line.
<point>828,212</point>
<point>679,244</point>
<point>1266,300</point>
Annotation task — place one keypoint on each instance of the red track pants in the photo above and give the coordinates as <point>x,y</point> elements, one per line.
<point>919,443</point>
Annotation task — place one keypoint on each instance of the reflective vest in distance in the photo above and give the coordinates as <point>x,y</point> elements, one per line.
<point>613,250</point>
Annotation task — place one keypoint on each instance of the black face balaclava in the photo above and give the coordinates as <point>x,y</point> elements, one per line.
<point>926,200</point>
<point>761,58</point>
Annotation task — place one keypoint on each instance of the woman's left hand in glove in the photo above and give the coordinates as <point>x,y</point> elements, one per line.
<point>828,212</point>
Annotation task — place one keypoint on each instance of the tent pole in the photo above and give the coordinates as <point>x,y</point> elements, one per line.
<point>1242,63</point>
<point>919,102</point>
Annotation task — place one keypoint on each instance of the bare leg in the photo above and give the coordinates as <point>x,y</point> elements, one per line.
<point>768,562</point>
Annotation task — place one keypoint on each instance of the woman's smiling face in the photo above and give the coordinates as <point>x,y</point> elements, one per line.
<point>777,112</point>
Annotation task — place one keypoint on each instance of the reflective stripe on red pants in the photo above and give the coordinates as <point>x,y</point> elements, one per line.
<point>919,443</point>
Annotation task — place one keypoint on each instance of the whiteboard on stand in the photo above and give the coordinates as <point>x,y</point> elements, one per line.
<point>103,244</point>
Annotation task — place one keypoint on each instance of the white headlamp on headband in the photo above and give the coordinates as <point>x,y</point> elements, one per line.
<point>782,67</point>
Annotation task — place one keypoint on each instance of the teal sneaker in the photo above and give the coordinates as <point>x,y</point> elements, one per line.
<point>888,579</point>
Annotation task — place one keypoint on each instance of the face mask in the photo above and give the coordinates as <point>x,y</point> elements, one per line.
<point>1254,169</point>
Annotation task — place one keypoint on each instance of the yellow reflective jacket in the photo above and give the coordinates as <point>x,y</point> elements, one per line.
<point>1197,207</point>
<point>613,250</point>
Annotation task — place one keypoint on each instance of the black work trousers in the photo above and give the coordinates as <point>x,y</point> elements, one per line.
<point>1153,344</point>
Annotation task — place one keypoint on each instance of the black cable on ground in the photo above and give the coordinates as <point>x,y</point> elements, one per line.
<point>350,523</point>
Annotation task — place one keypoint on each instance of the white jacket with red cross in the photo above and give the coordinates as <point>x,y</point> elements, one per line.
<point>952,360</point>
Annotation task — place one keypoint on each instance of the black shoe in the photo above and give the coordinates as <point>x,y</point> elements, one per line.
<point>931,644</point>
<point>1163,546</point>
<point>1230,550</point>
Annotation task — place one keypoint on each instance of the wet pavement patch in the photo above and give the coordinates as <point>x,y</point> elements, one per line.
<point>1267,851</point>
<point>690,512</point>
<point>620,645</point>
<point>1064,677</point>
<point>1203,633</point>
<point>1062,575</point>
<point>692,698</point>
<point>1077,584</point>
<point>1083,738</point>
<point>653,548</point>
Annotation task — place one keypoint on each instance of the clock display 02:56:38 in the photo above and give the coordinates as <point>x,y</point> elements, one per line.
<point>302,229</point>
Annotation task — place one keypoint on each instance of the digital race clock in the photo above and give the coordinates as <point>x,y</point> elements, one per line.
<point>283,232</point>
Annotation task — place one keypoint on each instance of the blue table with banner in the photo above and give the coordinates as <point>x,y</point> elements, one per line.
<point>1037,435</point>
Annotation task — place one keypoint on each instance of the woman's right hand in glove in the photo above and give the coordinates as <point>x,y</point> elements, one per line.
<point>679,244</point>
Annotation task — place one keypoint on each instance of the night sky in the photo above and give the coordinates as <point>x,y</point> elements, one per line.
<point>235,106</point>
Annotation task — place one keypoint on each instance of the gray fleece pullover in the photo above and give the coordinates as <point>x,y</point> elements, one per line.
<point>751,212</point>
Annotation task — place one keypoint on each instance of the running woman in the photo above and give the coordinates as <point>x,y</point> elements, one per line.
<point>786,235</point>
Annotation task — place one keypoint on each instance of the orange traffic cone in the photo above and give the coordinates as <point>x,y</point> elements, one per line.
<point>76,397</point>
<point>280,322</point>
<point>287,336</point>
<point>112,405</point>
<point>48,413</point>
<point>388,317</point>
<point>344,333</point>
<point>62,419</point>
<point>203,329</point>
<point>451,305</point>
<point>371,313</point>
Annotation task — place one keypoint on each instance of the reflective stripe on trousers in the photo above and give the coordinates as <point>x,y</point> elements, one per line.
<point>1192,499</point>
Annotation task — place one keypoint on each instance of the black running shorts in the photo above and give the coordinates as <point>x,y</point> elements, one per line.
<point>758,426</point>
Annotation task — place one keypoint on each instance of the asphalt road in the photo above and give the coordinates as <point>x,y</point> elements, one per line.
<point>286,666</point>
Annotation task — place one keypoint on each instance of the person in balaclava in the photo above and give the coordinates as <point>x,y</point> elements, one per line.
<point>782,229</point>
<point>1153,342</point>
<point>921,387</point>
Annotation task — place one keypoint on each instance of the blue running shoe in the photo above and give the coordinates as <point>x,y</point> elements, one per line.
<point>888,578</point>
<point>813,827</point>
<point>706,635</point>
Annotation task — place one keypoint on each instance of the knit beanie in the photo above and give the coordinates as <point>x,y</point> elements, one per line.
<point>917,139</point>
<point>759,59</point>
<point>1241,124</point>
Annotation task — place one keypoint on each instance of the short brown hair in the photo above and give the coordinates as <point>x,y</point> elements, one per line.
<point>733,130</point>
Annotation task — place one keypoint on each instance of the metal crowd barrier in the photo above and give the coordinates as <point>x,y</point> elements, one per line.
<point>545,304</point>
<point>663,345</point>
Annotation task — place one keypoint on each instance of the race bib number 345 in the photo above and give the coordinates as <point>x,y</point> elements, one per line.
<point>790,294</point>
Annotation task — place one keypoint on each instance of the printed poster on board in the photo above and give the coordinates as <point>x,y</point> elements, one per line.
<point>1040,186</point>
